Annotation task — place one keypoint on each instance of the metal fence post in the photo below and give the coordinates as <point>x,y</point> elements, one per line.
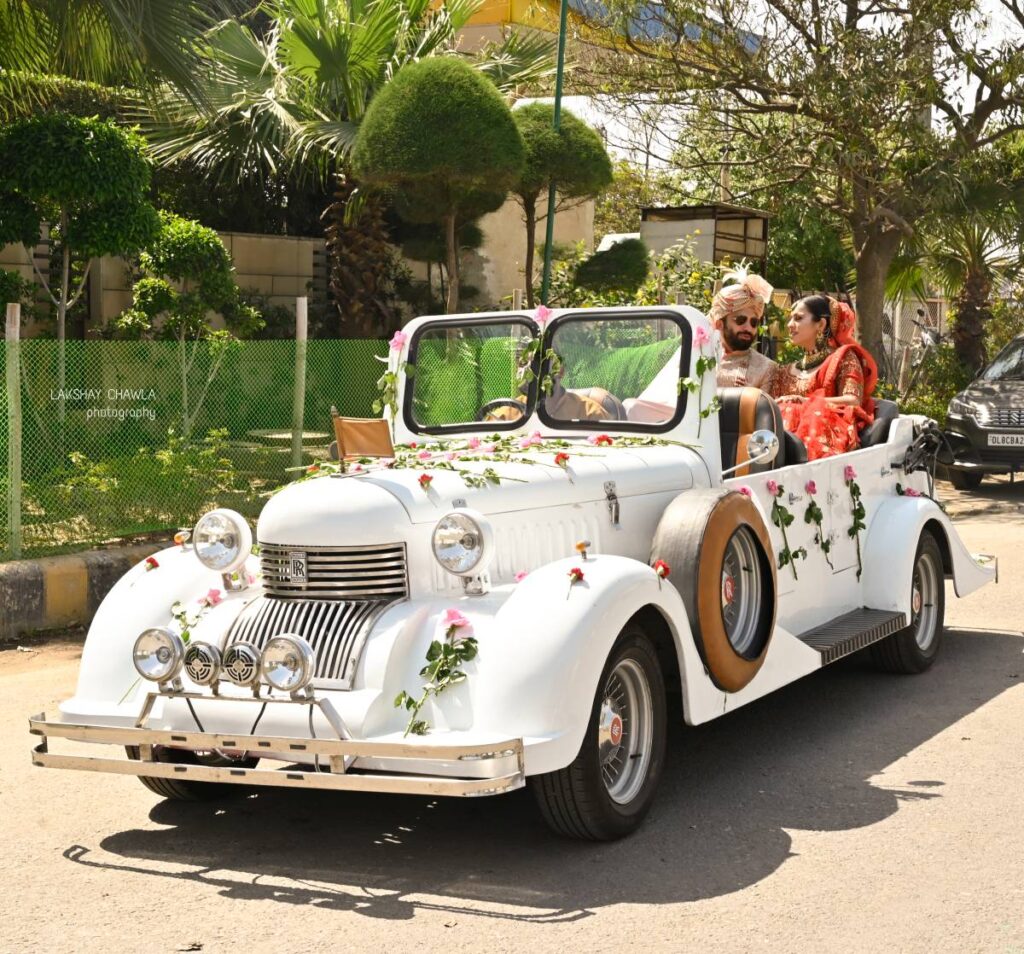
<point>13,354</point>
<point>299,394</point>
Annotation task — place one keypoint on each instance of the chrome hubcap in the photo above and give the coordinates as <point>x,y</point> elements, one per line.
<point>741,591</point>
<point>624,731</point>
<point>924,599</point>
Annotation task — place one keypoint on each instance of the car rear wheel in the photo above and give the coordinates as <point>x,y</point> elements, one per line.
<point>606,791</point>
<point>913,649</point>
<point>965,479</point>
<point>186,790</point>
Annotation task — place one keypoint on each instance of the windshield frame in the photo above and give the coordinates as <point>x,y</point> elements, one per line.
<point>490,427</point>
<point>637,427</point>
<point>1014,343</point>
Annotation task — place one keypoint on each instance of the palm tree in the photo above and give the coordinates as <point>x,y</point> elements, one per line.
<point>291,95</point>
<point>109,42</point>
<point>966,251</point>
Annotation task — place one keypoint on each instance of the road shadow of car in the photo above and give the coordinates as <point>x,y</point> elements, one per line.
<point>806,757</point>
<point>996,497</point>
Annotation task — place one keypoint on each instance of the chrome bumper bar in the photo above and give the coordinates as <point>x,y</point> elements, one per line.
<point>337,757</point>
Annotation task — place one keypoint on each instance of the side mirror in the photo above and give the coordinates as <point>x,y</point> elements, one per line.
<point>762,447</point>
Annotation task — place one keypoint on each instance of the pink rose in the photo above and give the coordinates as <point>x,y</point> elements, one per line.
<point>357,468</point>
<point>746,491</point>
<point>398,340</point>
<point>488,448</point>
<point>453,619</point>
<point>542,314</point>
<point>212,598</point>
<point>424,455</point>
<point>910,492</point>
<point>451,455</point>
<point>520,576</point>
<point>773,487</point>
<point>701,336</point>
<point>473,443</point>
<point>811,487</point>
<point>525,443</point>
<point>849,473</point>
<point>250,578</point>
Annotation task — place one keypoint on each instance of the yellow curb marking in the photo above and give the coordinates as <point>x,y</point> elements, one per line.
<point>65,590</point>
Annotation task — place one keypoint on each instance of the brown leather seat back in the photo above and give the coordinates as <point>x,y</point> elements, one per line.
<point>745,410</point>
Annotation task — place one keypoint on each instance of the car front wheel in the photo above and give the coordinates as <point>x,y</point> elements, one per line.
<point>606,791</point>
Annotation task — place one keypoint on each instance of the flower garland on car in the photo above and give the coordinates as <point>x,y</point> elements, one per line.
<point>387,383</point>
<point>813,514</point>
<point>782,518</point>
<point>443,669</point>
<point>705,364</point>
<point>859,513</point>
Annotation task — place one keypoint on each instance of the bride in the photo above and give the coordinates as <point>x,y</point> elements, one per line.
<point>825,396</point>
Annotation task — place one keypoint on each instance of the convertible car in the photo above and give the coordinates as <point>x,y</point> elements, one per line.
<point>558,537</point>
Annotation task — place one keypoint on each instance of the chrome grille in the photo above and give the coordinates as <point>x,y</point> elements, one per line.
<point>1001,416</point>
<point>336,573</point>
<point>336,629</point>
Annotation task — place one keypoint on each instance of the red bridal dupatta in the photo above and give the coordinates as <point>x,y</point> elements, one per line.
<point>828,429</point>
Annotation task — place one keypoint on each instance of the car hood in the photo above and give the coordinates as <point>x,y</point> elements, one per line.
<point>365,508</point>
<point>995,393</point>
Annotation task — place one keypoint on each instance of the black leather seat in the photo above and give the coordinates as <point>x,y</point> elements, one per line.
<point>877,432</point>
<point>745,410</point>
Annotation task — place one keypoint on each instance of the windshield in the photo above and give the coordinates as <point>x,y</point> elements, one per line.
<point>471,375</point>
<point>1008,364</point>
<point>612,371</point>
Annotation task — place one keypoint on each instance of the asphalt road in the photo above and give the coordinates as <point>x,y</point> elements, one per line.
<point>852,811</point>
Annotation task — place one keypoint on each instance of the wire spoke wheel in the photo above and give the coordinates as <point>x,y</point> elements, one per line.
<point>741,591</point>
<point>624,732</point>
<point>924,599</point>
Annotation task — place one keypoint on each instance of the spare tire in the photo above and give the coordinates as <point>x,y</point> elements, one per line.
<point>717,547</point>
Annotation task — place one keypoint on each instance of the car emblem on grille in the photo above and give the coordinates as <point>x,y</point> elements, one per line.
<point>297,568</point>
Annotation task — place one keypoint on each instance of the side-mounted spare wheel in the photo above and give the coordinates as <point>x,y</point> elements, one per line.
<point>914,648</point>
<point>718,549</point>
<point>606,791</point>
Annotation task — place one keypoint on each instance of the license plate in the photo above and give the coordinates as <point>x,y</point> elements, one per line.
<point>297,571</point>
<point>1006,440</point>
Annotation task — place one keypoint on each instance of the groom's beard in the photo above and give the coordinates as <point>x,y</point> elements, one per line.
<point>735,340</point>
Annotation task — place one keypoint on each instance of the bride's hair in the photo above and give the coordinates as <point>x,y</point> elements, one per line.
<point>820,307</point>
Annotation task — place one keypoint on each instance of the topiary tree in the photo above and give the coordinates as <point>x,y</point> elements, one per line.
<point>439,131</point>
<point>88,179</point>
<point>623,267</point>
<point>187,273</point>
<point>572,156</point>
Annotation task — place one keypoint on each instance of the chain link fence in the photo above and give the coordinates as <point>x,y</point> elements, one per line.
<point>146,436</point>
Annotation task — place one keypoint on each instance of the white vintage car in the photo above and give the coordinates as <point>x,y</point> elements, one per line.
<point>574,540</point>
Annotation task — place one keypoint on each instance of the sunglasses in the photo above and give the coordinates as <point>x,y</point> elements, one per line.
<point>741,320</point>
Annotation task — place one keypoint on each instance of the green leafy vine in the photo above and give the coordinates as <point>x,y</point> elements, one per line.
<point>813,514</point>
<point>859,513</point>
<point>782,518</point>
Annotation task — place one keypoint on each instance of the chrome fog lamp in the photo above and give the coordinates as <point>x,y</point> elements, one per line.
<point>288,663</point>
<point>241,664</point>
<point>463,542</point>
<point>222,540</point>
<point>202,663</point>
<point>158,655</point>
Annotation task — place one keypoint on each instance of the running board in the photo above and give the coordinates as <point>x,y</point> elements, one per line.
<point>853,631</point>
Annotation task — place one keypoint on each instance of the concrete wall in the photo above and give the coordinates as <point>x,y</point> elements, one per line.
<point>497,267</point>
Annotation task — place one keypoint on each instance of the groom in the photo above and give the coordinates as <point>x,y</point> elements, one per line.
<point>742,365</point>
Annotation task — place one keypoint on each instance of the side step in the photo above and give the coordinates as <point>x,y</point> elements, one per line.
<point>852,631</point>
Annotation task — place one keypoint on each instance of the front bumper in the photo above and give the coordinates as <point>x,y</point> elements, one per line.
<point>491,768</point>
<point>971,451</point>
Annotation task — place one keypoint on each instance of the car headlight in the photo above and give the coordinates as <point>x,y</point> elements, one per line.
<point>961,408</point>
<point>158,655</point>
<point>288,663</point>
<point>222,540</point>
<point>463,542</point>
<point>202,663</point>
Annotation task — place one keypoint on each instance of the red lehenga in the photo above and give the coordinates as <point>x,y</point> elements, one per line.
<point>827,429</point>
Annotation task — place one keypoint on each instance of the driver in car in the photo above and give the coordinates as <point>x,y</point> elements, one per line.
<point>563,404</point>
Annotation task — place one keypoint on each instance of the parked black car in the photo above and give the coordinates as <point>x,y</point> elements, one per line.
<point>986,421</point>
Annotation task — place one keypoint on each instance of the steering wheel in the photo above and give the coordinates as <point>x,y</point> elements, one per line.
<point>491,406</point>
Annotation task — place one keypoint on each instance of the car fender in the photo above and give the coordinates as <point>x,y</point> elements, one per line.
<point>542,646</point>
<point>141,599</point>
<point>891,545</point>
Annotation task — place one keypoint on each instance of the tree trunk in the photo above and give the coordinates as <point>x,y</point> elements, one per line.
<point>972,311</point>
<point>452,303</point>
<point>530,208</point>
<point>873,264</point>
